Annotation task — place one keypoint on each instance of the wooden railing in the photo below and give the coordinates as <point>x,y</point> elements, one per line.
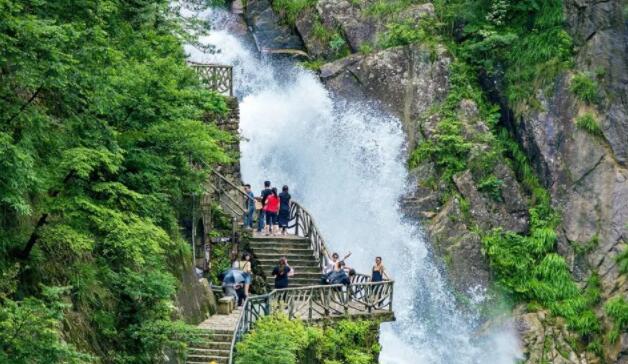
<point>229,196</point>
<point>217,77</point>
<point>361,297</point>
<point>302,224</point>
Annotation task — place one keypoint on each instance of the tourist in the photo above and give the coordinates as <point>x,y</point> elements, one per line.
<point>262,199</point>
<point>250,207</point>
<point>245,267</point>
<point>333,259</point>
<point>339,274</point>
<point>271,207</point>
<point>284,209</point>
<point>281,273</point>
<point>379,272</point>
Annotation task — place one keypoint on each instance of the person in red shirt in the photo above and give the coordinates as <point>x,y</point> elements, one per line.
<point>271,208</point>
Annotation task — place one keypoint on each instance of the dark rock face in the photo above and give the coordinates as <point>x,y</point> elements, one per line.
<point>599,30</point>
<point>588,175</point>
<point>268,31</point>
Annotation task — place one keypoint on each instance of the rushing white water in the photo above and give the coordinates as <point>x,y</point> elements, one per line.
<point>345,163</point>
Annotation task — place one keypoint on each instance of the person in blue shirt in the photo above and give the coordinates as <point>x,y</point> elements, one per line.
<point>250,207</point>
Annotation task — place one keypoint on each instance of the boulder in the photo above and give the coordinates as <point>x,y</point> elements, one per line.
<point>547,340</point>
<point>269,32</point>
<point>462,249</point>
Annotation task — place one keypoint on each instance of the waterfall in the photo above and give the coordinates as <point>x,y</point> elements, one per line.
<point>345,162</point>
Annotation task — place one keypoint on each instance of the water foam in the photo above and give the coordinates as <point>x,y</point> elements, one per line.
<point>345,163</point>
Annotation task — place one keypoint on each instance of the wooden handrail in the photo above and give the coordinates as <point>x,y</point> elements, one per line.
<point>304,226</point>
<point>218,77</point>
<point>316,302</point>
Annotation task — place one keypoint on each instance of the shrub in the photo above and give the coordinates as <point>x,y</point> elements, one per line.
<point>585,88</point>
<point>589,123</point>
<point>275,340</point>
<point>617,309</point>
<point>291,9</point>
<point>492,186</point>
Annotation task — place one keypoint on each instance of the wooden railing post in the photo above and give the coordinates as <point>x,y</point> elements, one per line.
<point>296,226</point>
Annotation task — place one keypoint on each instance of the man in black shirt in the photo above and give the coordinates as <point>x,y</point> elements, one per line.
<point>267,191</point>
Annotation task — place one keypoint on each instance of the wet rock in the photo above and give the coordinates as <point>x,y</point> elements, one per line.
<point>268,30</point>
<point>305,26</point>
<point>461,248</point>
<point>407,81</point>
<point>357,27</point>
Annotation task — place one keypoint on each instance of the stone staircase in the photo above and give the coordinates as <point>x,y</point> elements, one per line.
<point>215,340</point>
<point>269,249</point>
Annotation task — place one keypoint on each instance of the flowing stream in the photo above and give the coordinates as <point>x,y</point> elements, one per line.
<point>346,163</point>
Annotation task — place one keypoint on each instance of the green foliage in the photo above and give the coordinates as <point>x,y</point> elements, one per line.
<point>30,331</point>
<point>521,45</point>
<point>492,186</point>
<point>101,121</point>
<point>617,309</point>
<point>399,34</point>
<point>276,339</point>
<point>589,123</point>
<point>339,46</point>
<point>584,87</point>
<point>351,342</point>
<point>383,8</point>
<point>528,267</point>
<point>291,9</point>
<point>622,261</point>
<point>448,149</point>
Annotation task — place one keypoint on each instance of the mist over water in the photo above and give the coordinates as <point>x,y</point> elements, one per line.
<point>345,162</point>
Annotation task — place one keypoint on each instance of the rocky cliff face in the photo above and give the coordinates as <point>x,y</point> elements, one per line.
<point>585,172</point>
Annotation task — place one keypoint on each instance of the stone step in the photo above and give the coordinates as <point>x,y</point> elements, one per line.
<point>207,332</point>
<point>209,352</point>
<point>279,250</point>
<point>279,245</point>
<point>217,345</point>
<point>205,359</point>
<point>301,261</point>
<point>274,257</point>
<point>278,239</point>
<point>299,272</point>
<point>223,335</point>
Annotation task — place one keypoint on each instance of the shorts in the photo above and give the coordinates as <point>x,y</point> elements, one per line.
<point>247,278</point>
<point>271,218</point>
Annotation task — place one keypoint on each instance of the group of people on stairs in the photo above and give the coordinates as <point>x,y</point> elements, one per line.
<point>273,209</point>
<point>273,218</point>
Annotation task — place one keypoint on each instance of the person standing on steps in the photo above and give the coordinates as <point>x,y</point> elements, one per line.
<point>261,217</point>
<point>281,273</point>
<point>270,210</point>
<point>250,207</point>
<point>247,272</point>
<point>284,209</point>
<point>379,272</point>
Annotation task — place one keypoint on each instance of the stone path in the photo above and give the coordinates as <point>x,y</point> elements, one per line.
<point>215,340</point>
